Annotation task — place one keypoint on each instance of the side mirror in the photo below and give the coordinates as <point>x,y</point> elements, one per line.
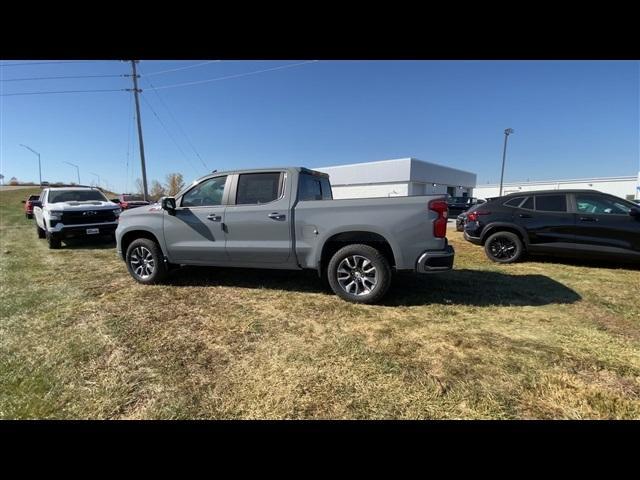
<point>168,204</point>
<point>115,200</point>
<point>634,212</point>
<point>36,203</point>
<point>24,201</point>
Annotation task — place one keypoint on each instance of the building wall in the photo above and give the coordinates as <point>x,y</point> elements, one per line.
<point>371,190</point>
<point>399,177</point>
<point>619,186</point>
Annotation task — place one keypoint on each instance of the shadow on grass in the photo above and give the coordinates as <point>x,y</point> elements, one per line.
<point>591,262</point>
<point>89,243</point>
<point>457,287</point>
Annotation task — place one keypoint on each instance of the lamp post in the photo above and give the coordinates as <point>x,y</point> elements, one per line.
<point>96,175</point>
<point>77,169</point>
<point>507,132</point>
<point>39,166</point>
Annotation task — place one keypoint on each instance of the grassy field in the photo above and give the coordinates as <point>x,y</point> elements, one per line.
<point>80,339</point>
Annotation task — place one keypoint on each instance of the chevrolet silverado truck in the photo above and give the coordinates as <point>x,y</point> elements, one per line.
<point>286,218</point>
<point>74,212</point>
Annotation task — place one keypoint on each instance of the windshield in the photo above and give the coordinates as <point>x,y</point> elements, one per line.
<point>132,198</point>
<point>56,196</point>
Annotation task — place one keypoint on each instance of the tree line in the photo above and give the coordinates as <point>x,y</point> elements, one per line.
<point>174,182</point>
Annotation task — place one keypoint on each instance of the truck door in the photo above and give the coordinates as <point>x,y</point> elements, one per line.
<point>257,219</point>
<point>195,232</point>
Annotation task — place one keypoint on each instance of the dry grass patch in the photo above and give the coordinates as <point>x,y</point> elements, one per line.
<point>539,339</point>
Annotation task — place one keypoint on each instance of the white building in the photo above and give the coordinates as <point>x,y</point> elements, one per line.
<point>398,177</point>
<point>623,187</point>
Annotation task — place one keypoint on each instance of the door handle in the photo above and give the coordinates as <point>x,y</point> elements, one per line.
<point>277,216</point>
<point>214,218</point>
<point>524,215</point>
<point>588,219</point>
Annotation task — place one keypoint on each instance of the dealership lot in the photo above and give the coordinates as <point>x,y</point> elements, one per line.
<point>538,339</point>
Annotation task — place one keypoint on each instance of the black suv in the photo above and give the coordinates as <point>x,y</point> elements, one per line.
<point>568,222</point>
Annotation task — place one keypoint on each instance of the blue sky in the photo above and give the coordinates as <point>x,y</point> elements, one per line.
<point>572,119</point>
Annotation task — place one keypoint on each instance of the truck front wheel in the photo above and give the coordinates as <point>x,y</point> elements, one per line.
<point>359,274</point>
<point>145,261</point>
<point>40,231</point>
<point>53,241</point>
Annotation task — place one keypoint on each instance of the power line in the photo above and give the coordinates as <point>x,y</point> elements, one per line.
<point>56,78</point>
<point>39,63</point>
<point>60,91</point>
<point>178,124</point>
<point>181,68</point>
<point>235,76</point>
<point>169,134</point>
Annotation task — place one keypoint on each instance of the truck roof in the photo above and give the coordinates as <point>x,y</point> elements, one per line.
<point>267,169</point>
<point>75,187</point>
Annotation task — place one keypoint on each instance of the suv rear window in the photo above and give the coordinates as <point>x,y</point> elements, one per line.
<point>551,203</point>
<point>514,202</point>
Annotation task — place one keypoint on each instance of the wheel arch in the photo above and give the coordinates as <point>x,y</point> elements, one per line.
<point>504,227</point>
<point>131,235</point>
<point>338,240</point>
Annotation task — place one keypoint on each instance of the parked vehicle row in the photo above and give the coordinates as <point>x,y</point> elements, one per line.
<point>458,205</point>
<point>28,205</point>
<point>584,223</point>
<point>130,200</point>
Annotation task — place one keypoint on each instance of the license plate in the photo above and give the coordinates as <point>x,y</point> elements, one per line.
<point>92,231</point>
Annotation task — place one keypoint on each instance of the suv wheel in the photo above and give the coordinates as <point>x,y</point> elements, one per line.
<point>145,261</point>
<point>504,247</point>
<point>359,274</point>
<point>40,231</point>
<point>53,241</point>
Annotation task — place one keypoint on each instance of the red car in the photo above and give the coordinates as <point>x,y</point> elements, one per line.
<point>28,205</point>
<point>128,200</point>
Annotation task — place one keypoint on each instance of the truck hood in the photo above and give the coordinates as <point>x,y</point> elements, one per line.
<point>79,206</point>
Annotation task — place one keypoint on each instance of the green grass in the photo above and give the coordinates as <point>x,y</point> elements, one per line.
<point>539,339</point>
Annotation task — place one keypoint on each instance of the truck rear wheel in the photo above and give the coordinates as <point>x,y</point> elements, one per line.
<point>359,274</point>
<point>145,261</point>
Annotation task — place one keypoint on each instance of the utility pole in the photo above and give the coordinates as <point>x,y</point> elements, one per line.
<point>507,132</point>
<point>77,170</point>
<point>136,90</point>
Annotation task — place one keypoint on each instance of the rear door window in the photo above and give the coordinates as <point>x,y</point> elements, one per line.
<point>258,188</point>
<point>551,203</point>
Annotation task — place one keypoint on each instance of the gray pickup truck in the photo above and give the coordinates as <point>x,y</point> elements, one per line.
<point>286,218</point>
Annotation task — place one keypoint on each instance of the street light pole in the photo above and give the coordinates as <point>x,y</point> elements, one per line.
<point>39,166</point>
<point>507,132</point>
<point>96,175</point>
<point>77,169</point>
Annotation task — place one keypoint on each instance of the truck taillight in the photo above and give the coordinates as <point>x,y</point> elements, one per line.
<point>440,223</point>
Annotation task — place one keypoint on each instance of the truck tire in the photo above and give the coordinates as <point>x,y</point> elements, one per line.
<point>40,231</point>
<point>29,215</point>
<point>54,242</point>
<point>359,274</point>
<point>145,261</point>
<point>504,247</point>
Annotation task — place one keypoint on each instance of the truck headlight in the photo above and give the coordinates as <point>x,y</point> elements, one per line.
<point>55,215</point>
<point>117,212</point>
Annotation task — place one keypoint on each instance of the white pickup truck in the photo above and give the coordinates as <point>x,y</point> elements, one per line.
<point>74,212</point>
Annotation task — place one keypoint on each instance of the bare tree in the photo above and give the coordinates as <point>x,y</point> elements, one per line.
<point>157,190</point>
<point>174,183</point>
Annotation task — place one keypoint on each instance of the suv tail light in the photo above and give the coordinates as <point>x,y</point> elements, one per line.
<point>440,223</point>
<point>473,216</point>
